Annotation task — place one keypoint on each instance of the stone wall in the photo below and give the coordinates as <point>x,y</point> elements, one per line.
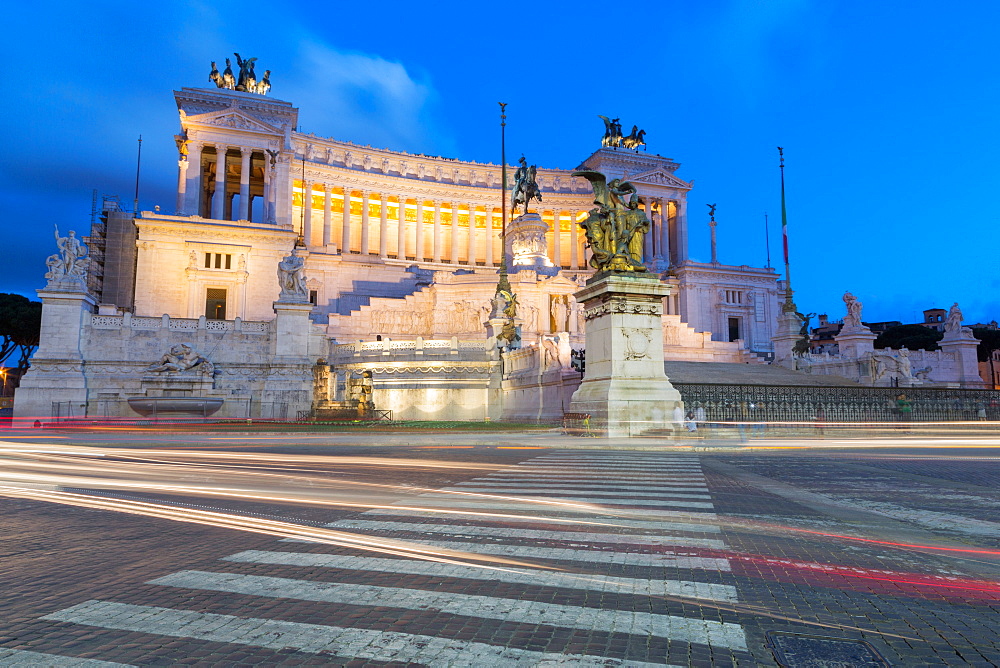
<point>115,351</point>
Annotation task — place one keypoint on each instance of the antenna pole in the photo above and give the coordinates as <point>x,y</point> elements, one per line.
<point>138,163</point>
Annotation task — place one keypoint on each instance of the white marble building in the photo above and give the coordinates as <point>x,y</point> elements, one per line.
<point>397,246</point>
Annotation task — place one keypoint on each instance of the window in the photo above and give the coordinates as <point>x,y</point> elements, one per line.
<point>733,296</point>
<point>215,303</point>
<point>218,261</point>
<point>313,297</point>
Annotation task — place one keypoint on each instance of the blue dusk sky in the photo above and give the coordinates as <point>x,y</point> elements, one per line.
<point>888,113</point>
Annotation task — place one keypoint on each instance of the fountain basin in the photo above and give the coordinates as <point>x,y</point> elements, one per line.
<point>175,406</point>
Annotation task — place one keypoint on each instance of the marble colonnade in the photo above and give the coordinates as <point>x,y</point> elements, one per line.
<point>201,193</point>
<point>434,230</point>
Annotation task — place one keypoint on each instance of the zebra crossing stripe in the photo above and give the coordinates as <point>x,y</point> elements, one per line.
<point>539,578</point>
<point>584,554</point>
<point>451,501</point>
<point>605,523</point>
<point>670,627</point>
<point>598,477</point>
<point>503,489</point>
<point>658,470</point>
<point>508,532</point>
<point>576,487</point>
<point>26,658</point>
<point>276,634</point>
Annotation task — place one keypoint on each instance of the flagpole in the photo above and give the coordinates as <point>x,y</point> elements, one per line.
<point>789,305</point>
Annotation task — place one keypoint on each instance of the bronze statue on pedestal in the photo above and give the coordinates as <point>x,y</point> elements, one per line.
<point>616,227</point>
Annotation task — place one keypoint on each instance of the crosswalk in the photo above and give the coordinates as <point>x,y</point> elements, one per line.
<point>631,571</point>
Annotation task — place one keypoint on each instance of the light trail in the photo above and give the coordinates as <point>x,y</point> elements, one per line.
<point>261,526</point>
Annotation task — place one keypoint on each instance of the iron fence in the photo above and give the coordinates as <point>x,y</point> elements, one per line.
<point>778,403</point>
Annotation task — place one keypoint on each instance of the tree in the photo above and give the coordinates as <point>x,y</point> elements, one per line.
<point>912,337</point>
<point>989,340</point>
<point>20,325</point>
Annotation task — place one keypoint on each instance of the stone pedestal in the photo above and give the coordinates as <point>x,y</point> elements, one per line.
<point>56,373</point>
<point>855,343</point>
<point>963,345</point>
<point>625,389</point>
<point>527,245</point>
<point>784,339</point>
<point>292,326</point>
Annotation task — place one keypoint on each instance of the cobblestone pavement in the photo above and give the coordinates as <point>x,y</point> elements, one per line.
<point>624,558</point>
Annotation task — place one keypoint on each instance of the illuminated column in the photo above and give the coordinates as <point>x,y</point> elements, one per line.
<point>419,241</point>
<point>454,233</point>
<point>182,168</point>
<point>437,231</point>
<point>307,212</point>
<point>219,197</point>
<point>401,230</point>
<point>383,225</point>
<point>647,243</point>
<point>245,154</point>
<point>665,224</point>
<point>345,232</point>
<point>327,211</point>
<point>490,219</point>
<point>472,235</point>
<point>364,222</point>
<point>556,241</point>
<point>192,192</point>
<point>682,230</point>
<point>574,237</point>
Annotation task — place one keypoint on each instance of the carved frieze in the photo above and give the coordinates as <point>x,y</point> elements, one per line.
<point>623,306</point>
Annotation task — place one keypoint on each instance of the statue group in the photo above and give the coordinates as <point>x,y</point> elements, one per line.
<point>71,261</point>
<point>613,135</point>
<point>292,279</point>
<point>182,357</point>
<point>616,227</point>
<point>246,81</point>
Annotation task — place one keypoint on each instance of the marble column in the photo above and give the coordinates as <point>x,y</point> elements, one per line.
<point>193,188</point>
<point>182,169</point>
<point>437,231</point>
<point>574,237</point>
<point>647,242</point>
<point>327,212</point>
<point>454,233</point>
<point>219,197</point>
<point>345,230</point>
<point>307,212</point>
<point>666,223</point>
<point>472,235</point>
<point>490,235</point>
<point>401,229</point>
<point>682,231</point>
<point>383,225</point>
<point>556,241</point>
<point>418,242</point>
<point>364,222</point>
<point>245,154</point>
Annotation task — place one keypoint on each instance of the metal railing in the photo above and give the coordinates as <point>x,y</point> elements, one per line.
<point>775,403</point>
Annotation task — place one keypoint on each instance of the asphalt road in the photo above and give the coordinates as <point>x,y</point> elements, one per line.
<point>485,549</point>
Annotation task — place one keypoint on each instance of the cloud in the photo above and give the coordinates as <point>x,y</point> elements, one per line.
<point>362,98</point>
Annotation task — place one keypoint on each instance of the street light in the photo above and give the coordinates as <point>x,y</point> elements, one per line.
<point>3,374</point>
